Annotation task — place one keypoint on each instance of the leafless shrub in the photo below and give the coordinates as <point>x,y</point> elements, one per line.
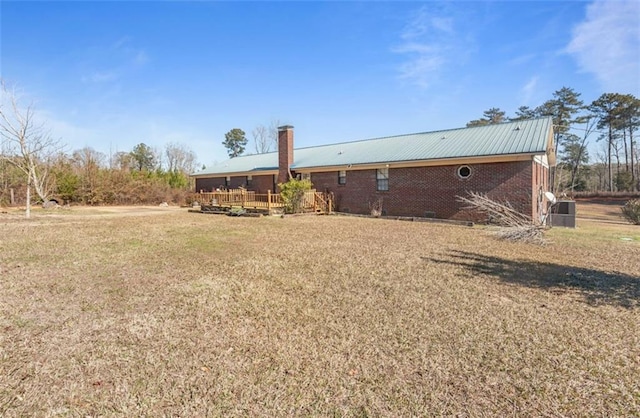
<point>375,208</point>
<point>631,211</point>
<point>513,225</point>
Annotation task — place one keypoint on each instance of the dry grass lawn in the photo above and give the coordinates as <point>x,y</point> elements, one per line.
<point>160,312</point>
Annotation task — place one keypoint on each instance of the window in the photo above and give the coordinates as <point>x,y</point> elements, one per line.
<point>464,171</point>
<point>342,177</point>
<point>382,179</point>
<point>249,181</point>
<point>306,176</point>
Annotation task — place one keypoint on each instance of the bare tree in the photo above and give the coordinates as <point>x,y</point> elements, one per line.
<point>26,144</point>
<point>261,139</point>
<point>273,132</point>
<point>88,163</point>
<point>121,161</point>
<point>265,139</point>
<point>180,158</point>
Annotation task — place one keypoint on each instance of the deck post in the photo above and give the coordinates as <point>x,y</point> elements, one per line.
<point>244,198</point>
<point>269,200</point>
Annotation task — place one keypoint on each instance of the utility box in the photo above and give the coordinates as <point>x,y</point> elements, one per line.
<point>563,213</point>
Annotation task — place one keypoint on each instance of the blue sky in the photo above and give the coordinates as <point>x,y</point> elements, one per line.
<point>109,75</point>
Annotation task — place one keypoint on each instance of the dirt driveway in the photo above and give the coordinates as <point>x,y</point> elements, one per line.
<point>78,212</point>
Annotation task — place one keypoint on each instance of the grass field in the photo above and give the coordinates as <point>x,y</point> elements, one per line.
<point>160,312</point>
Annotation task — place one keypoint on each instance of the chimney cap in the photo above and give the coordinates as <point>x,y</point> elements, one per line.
<point>284,128</point>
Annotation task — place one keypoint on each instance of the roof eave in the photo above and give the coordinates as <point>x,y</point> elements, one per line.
<point>481,159</point>
<point>255,172</point>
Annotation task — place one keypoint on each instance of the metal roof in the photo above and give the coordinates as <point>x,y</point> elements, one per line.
<point>513,138</point>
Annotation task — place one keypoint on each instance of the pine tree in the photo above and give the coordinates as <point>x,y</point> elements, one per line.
<point>235,142</point>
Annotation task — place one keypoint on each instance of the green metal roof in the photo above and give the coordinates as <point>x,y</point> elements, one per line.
<point>513,138</point>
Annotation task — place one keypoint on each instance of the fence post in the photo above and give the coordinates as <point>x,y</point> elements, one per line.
<point>244,198</point>
<point>269,200</point>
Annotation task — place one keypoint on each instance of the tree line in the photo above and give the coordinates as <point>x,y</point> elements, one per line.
<point>86,176</point>
<point>34,166</point>
<point>612,120</point>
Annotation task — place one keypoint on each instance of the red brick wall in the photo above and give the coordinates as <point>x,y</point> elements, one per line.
<point>237,182</point>
<point>209,184</point>
<point>417,191</point>
<point>261,184</point>
<point>285,152</point>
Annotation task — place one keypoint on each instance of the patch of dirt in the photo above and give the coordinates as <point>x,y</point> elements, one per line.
<point>114,211</point>
<point>41,216</point>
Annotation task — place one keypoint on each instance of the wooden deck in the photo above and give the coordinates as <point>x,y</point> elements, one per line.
<point>223,201</point>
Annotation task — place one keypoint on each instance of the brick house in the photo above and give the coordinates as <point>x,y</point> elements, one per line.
<point>414,175</point>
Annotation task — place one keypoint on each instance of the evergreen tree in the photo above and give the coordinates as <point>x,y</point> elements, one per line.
<point>629,114</point>
<point>563,108</point>
<point>235,142</point>
<point>605,109</point>
<point>143,157</point>
<point>575,157</point>
<point>490,117</point>
<point>525,113</point>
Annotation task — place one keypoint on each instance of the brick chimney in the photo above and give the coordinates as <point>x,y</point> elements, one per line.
<point>285,152</point>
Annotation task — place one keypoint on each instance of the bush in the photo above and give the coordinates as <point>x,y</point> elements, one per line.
<point>631,211</point>
<point>292,193</point>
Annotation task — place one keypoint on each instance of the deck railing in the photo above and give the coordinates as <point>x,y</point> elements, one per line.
<point>323,202</point>
<point>250,199</point>
<point>240,197</point>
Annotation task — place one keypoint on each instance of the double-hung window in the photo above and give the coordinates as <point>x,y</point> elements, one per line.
<point>342,177</point>
<point>382,179</point>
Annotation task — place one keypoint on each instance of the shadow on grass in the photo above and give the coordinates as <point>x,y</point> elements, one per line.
<point>596,287</point>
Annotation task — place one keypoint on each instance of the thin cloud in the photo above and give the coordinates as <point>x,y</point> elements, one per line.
<point>429,42</point>
<point>529,89</point>
<point>100,77</point>
<point>122,42</point>
<point>607,44</point>
<point>522,59</point>
<point>140,58</point>
<point>112,63</point>
<point>72,135</point>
